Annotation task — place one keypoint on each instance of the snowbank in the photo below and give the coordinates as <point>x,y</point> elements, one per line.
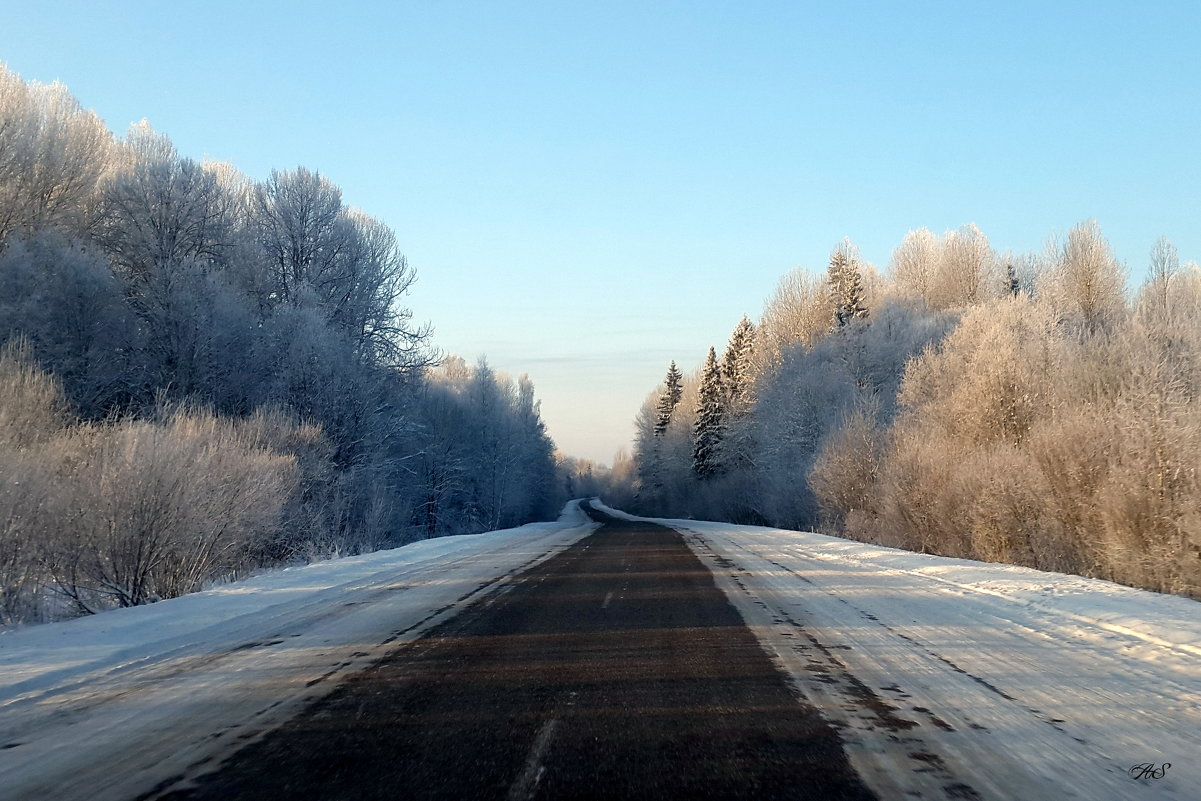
<point>1164,620</point>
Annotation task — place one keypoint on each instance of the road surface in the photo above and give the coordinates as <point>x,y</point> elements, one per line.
<point>616,669</point>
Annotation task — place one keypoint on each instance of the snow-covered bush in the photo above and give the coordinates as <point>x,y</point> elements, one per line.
<point>120,513</point>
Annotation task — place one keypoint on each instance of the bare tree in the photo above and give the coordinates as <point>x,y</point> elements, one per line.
<point>1156,294</point>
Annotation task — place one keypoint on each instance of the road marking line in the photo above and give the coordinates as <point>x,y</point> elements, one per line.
<point>527,783</point>
<point>608,598</point>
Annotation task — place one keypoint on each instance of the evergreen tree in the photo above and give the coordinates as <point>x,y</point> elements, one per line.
<point>1012,285</point>
<point>673,391</point>
<point>736,366</point>
<point>710,419</point>
<point>738,376</point>
<point>846,288</point>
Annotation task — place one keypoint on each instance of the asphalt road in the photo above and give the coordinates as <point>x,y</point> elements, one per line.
<point>616,669</point>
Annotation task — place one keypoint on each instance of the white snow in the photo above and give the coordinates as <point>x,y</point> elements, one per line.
<point>1022,684</point>
<point>92,708</point>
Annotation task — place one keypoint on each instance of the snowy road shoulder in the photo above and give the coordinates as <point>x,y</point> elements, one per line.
<point>91,708</point>
<point>950,678</point>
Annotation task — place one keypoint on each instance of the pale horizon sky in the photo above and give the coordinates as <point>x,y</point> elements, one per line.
<point>588,191</point>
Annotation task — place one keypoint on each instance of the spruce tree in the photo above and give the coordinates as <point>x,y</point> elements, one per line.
<point>738,375</point>
<point>846,288</point>
<point>736,366</point>
<point>672,392</point>
<point>710,419</point>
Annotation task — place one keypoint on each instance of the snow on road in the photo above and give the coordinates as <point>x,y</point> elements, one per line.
<point>950,678</point>
<point>116,705</point>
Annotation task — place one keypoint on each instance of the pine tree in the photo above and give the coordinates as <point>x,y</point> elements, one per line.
<point>710,419</point>
<point>736,366</point>
<point>673,391</point>
<point>846,288</point>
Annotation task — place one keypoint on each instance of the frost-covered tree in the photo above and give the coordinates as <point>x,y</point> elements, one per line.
<point>300,225</point>
<point>202,339</point>
<point>798,313</point>
<point>709,428</point>
<point>1087,284</point>
<point>967,270</point>
<point>64,300</point>
<point>845,286</point>
<point>1155,298</point>
<point>915,264</point>
<point>738,366</point>
<point>311,244</point>
<point>802,406</point>
<point>485,459</point>
<point>53,154</point>
<point>651,460</point>
<point>953,271</point>
<point>669,399</point>
<point>161,209</point>
<point>738,381</point>
<point>535,464</point>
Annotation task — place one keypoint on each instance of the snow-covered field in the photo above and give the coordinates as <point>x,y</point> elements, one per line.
<point>112,706</point>
<point>939,672</point>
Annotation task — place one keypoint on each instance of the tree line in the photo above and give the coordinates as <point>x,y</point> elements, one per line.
<point>1021,408</point>
<point>202,373</point>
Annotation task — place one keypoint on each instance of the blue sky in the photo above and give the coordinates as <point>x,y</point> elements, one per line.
<point>589,190</point>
